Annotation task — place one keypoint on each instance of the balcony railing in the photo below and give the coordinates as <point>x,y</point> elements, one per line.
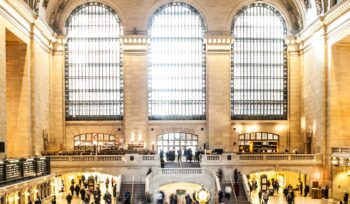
<point>105,160</point>
<point>16,170</point>
<point>259,159</point>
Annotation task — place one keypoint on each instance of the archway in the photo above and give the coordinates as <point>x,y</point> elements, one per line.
<point>177,141</point>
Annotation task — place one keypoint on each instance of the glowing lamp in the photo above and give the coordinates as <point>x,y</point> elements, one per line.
<point>335,161</point>
<point>202,195</point>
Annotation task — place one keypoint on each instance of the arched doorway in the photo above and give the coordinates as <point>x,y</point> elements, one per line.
<point>177,140</point>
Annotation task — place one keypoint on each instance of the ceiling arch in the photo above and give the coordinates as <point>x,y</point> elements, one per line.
<point>58,10</point>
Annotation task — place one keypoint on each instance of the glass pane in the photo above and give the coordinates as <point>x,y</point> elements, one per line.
<point>88,137</point>
<point>259,72</point>
<point>165,137</point>
<point>252,136</point>
<point>171,136</point>
<point>94,76</point>
<point>194,137</point>
<point>176,54</point>
<point>188,137</point>
<point>264,136</point>
<point>258,136</point>
<point>177,136</point>
<point>183,136</point>
<point>100,136</point>
<point>270,137</point>
<point>275,137</point>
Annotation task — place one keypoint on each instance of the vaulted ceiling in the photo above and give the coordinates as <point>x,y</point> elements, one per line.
<point>296,9</point>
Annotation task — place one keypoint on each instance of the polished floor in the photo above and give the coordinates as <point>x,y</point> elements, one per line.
<point>277,199</point>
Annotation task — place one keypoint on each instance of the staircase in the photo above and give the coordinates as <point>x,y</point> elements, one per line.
<point>241,197</point>
<point>138,195</point>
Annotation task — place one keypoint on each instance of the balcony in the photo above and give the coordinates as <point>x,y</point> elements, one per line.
<point>126,160</point>
<point>262,159</point>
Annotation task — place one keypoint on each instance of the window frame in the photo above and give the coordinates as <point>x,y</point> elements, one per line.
<point>265,102</point>
<point>177,103</point>
<point>116,104</point>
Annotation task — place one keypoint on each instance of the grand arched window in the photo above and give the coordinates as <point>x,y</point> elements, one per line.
<point>93,73</point>
<point>259,64</point>
<point>176,64</point>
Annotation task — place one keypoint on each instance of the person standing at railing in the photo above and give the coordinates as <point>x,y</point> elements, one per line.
<point>179,155</point>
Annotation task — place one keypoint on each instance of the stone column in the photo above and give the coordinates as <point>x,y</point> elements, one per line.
<point>296,138</point>
<point>2,85</point>
<point>135,89</point>
<point>57,106</point>
<point>218,91</point>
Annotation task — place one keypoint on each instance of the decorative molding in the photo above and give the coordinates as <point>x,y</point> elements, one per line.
<point>307,4</point>
<point>136,39</point>
<point>319,7</point>
<point>135,44</point>
<point>337,11</point>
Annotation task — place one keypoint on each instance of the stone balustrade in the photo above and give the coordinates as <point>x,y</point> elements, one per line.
<point>261,159</point>
<point>105,160</point>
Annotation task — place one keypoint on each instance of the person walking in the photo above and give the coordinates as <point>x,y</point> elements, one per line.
<point>265,197</point>
<point>72,189</point>
<point>97,196</point>
<point>236,187</point>
<point>77,190</point>
<point>82,194</point>
<point>53,200</point>
<point>290,197</point>
<point>107,198</point>
<point>188,199</point>
<point>69,198</point>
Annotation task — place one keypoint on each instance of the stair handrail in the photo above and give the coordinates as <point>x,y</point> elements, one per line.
<point>119,184</point>
<point>132,189</point>
<point>233,190</point>
<point>246,187</point>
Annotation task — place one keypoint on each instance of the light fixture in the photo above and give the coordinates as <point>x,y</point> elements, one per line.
<point>202,195</point>
<point>335,161</point>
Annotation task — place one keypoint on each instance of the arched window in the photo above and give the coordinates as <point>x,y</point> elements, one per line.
<point>259,64</point>
<point>258,142</point>
<point>176,64</point>
<point>93,73</point>
<point>177,141</point>
<point>89,141</point>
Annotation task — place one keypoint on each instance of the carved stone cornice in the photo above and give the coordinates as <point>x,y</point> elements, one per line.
<point>337,11</point>
<point>293,44</point>
<point>135,39</point>
<point>218,43</point>
<point>135,44</point>
<point>26,20</point>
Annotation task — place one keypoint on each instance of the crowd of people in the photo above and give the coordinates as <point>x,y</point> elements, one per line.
<point>186,153</point>
<point>88,190</point>
<point>173,198</point>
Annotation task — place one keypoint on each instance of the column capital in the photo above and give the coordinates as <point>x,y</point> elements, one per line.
<point>59,43</point>
<point>293,43</point>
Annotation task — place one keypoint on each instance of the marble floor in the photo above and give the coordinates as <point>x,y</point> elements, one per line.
<point>279,199</point>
